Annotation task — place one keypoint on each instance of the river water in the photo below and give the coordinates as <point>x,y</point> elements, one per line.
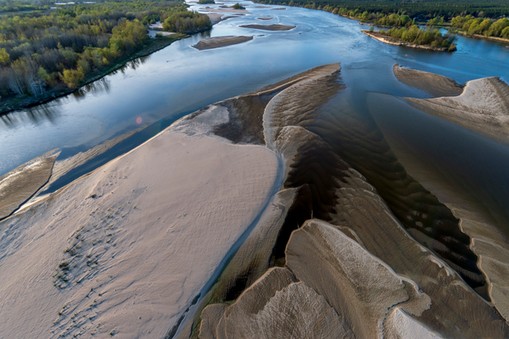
<point>150,93</point>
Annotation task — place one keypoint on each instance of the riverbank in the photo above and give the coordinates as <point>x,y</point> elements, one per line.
<point>156,44</point>
<point>484,37</point>
<point>386,39</point>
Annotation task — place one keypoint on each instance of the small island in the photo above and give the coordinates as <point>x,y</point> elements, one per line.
<point>238,6</point>
<point>221,41</point>
<point>206,2</point>
<point>273,27</point>
<point>414,37</point>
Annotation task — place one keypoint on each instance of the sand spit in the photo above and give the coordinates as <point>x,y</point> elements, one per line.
<point>434,84</point>
<point>19,185</point>
<point>391,41</point>
<point>112,252</point>
<point>273,27</point>
<point>483,107</point>
<point>221,41</point>
<point>265,18</point>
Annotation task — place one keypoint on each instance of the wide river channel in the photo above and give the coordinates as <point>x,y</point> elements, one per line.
<point>150,93</point>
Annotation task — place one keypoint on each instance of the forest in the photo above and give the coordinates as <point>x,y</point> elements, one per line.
<point>474,18</point>
<point>421,10</point>
<point>44,53</point>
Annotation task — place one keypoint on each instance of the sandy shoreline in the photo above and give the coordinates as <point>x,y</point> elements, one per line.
<point>221,41</point>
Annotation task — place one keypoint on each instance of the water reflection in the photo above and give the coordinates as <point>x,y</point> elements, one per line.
<point>96,87</point>
<point>36,115</point>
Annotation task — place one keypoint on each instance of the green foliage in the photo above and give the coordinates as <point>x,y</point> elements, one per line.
<point>205,2</point>
<point>424,37</point>
<point>53,50</point>
<point>238,6</point>
<point>187,22</point>
<point>420,10</point>
<point>73,77</point>
<point>4,56</point>
<point>482,26</point>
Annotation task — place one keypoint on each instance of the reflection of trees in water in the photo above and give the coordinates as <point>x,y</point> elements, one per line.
<point>35,115</point>
<point>96,87</point>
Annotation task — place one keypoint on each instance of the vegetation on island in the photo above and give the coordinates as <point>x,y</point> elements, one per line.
<point>474,18</point>
<point>187,22</point>
<point>50,53</point>
<point>206,2</point>
<point>428,37</point>
<point>238,6</point>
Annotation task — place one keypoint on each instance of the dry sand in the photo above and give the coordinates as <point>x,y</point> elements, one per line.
<point>273,27</point>
<point>431,83</point>
<point>125,249</point>
<point>221,41</point>
<point>483,107</point>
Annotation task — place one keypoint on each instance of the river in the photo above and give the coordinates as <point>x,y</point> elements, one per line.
<point>149,94</point>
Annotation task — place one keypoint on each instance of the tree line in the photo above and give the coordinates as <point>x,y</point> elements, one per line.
<point>60,49</point>
<point>471,25</point>
<point>421,10</point>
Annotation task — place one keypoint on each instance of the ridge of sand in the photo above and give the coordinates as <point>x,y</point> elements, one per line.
<point>482,107</point>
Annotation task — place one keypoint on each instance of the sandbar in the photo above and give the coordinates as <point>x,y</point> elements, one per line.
<point>273,27</point>
<point>431,83</point>
<point>221,41</point>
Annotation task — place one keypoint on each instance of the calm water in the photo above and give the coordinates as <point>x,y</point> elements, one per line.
<point>180,79</point>
<point>152,92</point>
